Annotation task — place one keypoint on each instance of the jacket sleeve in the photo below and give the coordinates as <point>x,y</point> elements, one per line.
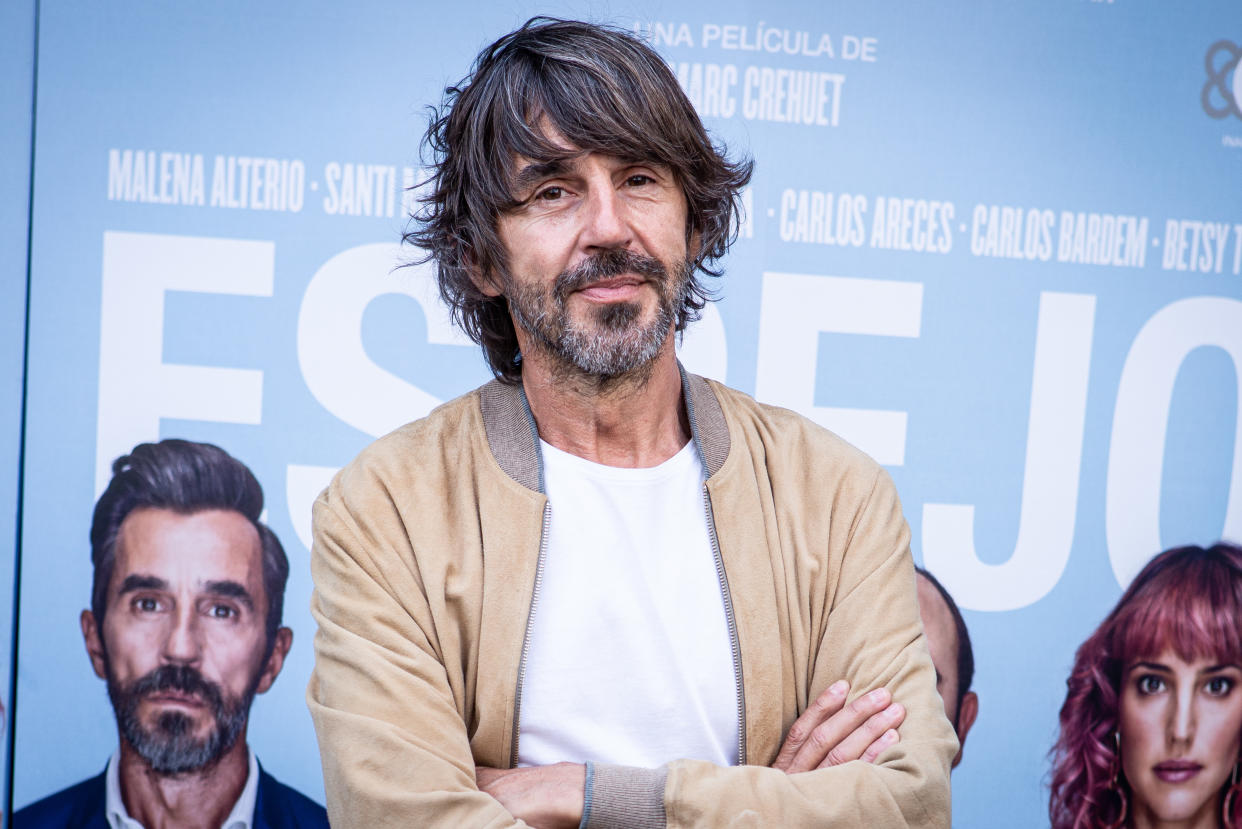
<point>392,739</point>
<point>873,637</point>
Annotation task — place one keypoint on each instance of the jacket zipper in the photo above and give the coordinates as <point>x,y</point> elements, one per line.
<point>734,644</point>
<point>530,620</point>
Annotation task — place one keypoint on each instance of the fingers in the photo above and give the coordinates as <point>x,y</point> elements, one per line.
<point>887,740</point>
<point>829,702</point>
<point>867,741</point>
<point>844,734</point>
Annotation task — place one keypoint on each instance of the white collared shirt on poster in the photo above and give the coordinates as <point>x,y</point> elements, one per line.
<point>242,816</point>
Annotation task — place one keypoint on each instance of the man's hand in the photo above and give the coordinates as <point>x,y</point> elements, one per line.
<point>829,732</point>
<point>546,797</point>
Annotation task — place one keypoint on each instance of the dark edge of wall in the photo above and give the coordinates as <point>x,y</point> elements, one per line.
<point>11,742</point>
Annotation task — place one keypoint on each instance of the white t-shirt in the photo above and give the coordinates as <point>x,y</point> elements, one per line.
<point>629,658</point>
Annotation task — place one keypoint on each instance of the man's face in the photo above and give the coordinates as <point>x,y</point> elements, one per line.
<point>183,639</point>
<point>597,260</point>
<point>941,635</point>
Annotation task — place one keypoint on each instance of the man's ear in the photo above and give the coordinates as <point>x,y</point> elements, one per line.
<point>966,713</point>
<point>489,287</point>
<point>487,283</point>
<point>693,245</point>
<point>280,649</point>
<point>94,642</point>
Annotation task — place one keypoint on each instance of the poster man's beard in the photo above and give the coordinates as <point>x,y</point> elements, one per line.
<point>612,341</point>
<point>169,745</point>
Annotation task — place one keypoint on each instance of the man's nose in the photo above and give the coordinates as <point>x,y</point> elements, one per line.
<point>607,226</point>
<point>182,644</point>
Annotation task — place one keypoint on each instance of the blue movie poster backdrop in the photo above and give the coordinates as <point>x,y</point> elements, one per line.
<point>1000,249</point>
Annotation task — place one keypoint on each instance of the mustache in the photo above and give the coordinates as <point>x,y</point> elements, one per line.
<point>606,265</point>
<point>182,678</point>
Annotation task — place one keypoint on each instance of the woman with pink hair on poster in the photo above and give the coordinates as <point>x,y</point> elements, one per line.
<point>1151,728</point>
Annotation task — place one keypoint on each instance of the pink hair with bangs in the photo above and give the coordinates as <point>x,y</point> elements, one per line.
<point>1188,600</point>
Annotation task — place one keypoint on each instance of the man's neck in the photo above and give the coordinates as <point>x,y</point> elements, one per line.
<point>195,799</point>
<point>634,420</point>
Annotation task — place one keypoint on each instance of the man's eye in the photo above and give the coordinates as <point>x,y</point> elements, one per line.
<point>1150,684</point>
<point>638,180</point>
<point>1218,686</point>
<point>549,194</point>
<point>146,604</point>
<point>222,611</point>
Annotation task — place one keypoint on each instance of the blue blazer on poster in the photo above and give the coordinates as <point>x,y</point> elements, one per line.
<point>81,806</point>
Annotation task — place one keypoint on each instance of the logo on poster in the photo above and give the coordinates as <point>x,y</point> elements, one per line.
<point>1222,93</point>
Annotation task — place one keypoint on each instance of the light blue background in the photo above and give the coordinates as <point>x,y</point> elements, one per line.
<point>1070,105</point>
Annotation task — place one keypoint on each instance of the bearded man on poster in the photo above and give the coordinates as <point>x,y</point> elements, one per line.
<point>184,626</point>
<point>599,590</point>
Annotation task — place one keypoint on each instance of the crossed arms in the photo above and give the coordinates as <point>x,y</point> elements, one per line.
<point>828,733</point>
<point>416,654</point>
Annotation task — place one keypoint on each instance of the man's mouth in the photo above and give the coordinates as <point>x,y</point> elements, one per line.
<point>614,288</point>
<point>609,274</point>
<point>1177,771</point>
<point>175,697</point>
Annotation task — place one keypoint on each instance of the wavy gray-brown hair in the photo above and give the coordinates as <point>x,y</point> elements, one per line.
<point>603,90</point>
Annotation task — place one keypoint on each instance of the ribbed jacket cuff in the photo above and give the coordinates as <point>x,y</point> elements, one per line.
<point>624,797</point>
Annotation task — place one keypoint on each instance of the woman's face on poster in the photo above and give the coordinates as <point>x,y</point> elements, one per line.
<point>1181,726</point>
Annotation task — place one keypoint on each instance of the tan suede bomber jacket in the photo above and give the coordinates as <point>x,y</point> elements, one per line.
<point>426,557</point>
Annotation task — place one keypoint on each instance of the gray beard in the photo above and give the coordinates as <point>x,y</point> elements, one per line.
<point>169,747</point>
<point>612,342</point>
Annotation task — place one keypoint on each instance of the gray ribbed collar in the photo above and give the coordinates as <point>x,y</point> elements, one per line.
<point>514,437</point>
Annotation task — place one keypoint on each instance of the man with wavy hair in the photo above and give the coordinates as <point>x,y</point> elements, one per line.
<point>600,591</point>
